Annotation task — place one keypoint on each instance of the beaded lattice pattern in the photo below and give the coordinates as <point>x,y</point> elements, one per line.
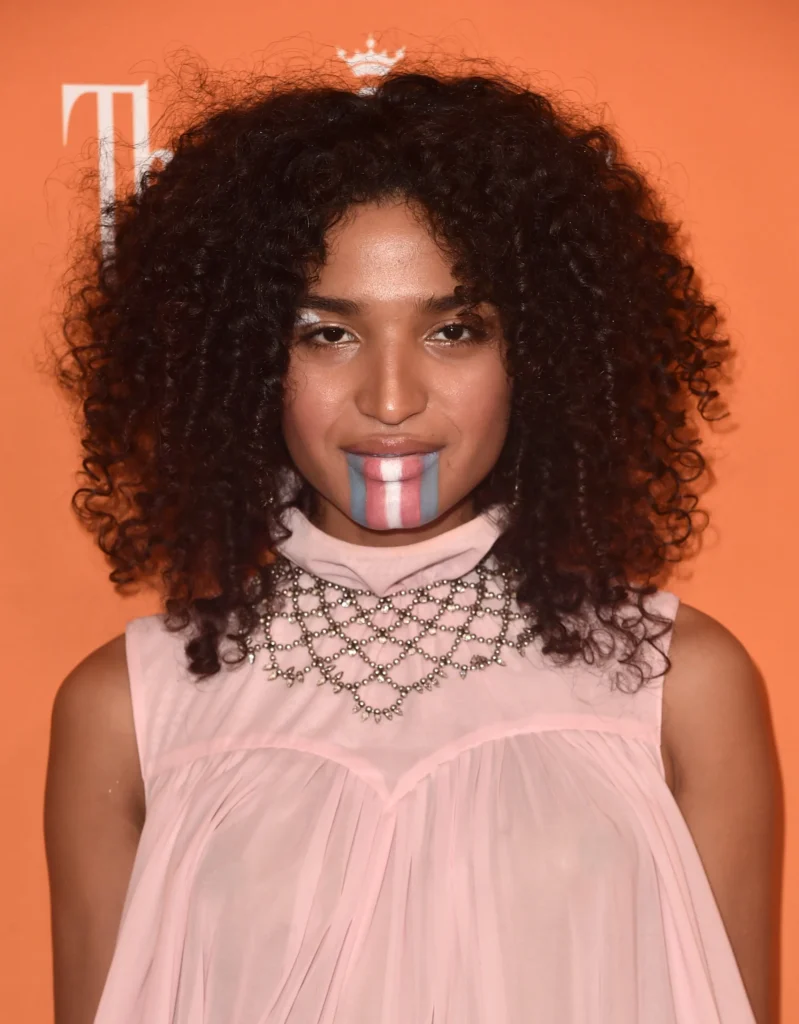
<point>336,626</point>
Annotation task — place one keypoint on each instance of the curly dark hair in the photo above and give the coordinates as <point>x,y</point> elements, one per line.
<point>177,343</point>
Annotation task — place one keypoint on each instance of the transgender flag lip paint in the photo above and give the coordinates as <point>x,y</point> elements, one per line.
<point>394,492</point>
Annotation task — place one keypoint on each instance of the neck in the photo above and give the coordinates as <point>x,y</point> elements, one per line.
<point>381,568</point>
<point>331,520</point>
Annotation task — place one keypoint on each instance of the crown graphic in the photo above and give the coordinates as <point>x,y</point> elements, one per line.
<point>369,63</point>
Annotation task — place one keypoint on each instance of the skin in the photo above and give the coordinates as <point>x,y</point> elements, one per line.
<point>391,376</point>
<point>722,768</point>
<point>388,369</point>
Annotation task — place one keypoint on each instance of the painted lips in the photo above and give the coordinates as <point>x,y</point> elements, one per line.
<point>394,492</point>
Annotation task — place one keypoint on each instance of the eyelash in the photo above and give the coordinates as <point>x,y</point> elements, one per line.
<point>477,330</point>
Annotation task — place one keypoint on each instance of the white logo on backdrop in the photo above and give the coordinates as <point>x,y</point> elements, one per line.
<point>143,156</point>
<point>370,63</point>
<point>366,64</point>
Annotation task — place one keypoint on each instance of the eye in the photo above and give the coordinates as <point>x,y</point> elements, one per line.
<point>320,336</point>
<point>467,331</point>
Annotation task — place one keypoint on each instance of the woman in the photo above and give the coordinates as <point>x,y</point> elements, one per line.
<point>392,392</point>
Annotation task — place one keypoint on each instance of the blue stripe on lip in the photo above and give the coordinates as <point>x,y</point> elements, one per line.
<point>357,487</point>
<point>428,498</point>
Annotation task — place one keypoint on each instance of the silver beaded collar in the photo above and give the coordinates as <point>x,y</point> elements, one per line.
<point>303,597</point>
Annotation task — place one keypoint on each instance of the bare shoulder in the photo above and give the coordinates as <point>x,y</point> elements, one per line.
<point>717,730</point>
<point>97,684</point>
<point>715,710</point>
<point>94,814</point>
<point>700,640</point>
<point>92,720</point>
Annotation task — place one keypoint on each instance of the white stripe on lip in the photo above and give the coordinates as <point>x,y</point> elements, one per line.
<point>391,468</point>
<point>393,490</point>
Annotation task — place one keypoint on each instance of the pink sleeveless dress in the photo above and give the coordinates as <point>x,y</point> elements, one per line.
<point>505,852</point>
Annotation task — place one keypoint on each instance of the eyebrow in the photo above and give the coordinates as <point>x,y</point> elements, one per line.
<point>347,307</point>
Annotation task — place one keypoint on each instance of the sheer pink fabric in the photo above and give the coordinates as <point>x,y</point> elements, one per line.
<point>506,852</point>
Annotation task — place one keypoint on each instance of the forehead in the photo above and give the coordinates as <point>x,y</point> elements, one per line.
<point>383,250</point>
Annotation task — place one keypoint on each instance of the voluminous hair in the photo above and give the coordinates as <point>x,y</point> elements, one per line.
<point>177,343</point>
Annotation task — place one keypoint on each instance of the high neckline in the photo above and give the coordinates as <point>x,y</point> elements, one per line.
<point>384,570</point>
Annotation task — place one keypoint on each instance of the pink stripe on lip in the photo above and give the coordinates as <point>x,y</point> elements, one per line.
<point>411,502</point>
<point>376,517</point>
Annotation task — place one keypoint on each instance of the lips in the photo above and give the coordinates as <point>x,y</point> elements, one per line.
<point>386,447</point>
<point>386,469</point>
<point>395,491</point>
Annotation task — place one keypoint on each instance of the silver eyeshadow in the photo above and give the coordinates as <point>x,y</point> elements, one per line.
<point>307,316</point>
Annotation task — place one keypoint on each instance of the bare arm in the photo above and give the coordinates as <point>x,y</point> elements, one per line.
<point>718,733</point>
<point>94,812</point>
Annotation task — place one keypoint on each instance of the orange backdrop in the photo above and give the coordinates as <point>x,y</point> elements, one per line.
<point>704,94</point>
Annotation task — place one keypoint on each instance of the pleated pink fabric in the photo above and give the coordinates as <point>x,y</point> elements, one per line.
<point>506,852</point>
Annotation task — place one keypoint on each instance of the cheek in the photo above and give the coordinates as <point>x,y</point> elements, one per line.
<point>302,420</point>
<point>310,408</point>
<point>479,405</point>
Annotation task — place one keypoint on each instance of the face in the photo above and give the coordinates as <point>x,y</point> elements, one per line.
<point>397,399</point>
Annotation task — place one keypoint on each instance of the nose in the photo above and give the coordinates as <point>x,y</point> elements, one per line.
<point>392,387</point>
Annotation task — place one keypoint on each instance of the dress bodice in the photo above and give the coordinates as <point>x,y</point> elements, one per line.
<point>505,851</point>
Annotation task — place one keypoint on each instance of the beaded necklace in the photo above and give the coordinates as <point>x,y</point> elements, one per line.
<point>304,599</point>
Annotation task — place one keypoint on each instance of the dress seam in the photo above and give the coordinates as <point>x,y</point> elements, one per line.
<point>372,777</point>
